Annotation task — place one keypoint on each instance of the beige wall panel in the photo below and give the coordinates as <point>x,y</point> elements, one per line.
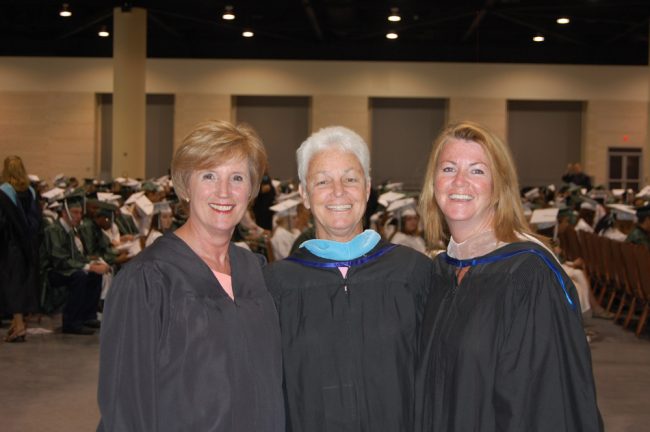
<point>191,109</point>
<point>53,132</point>
<point>605,124</point>
<point>349,111</point>
<point>492,113</point>
<point>304,78</point>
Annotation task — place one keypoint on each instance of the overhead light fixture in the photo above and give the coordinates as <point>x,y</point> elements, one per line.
<point>228,13</point>
<point>248,33</point>
<point>394,15</point>
<point>538,38</point>
<point>65,11</point>
<point>391,35</point>
<point>563,20</point>
<point>103,32</point>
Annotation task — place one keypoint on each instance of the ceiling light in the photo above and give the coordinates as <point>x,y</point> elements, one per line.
<point>394,15</point>
<point>103,32</point>
<point>391,35</point>
<point>65,10</point>
<point>563,20</point>
<point>248,33</point>
<point>228,13</point>
<point>538,38</point>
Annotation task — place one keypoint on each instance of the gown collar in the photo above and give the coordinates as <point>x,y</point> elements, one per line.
<point>479,244</point>
<point>343,251</point>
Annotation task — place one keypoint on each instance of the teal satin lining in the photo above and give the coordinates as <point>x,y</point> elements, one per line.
<point>339,251</point>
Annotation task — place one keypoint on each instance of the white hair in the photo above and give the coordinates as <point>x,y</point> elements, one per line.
<point>332,137</point>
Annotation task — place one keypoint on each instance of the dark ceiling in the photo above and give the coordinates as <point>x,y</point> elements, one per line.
<point>600,32</point>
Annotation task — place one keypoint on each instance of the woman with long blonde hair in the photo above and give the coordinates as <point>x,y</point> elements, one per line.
<point>20,221</point>
<point>503,347</point>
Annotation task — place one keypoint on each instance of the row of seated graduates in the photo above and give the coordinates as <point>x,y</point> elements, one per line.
<point>86,240</point>
<point>608,234</point>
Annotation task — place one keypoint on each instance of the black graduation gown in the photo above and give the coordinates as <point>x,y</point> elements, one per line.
<point>349,345</point>
<point>177,354</point>
<point>505,351</point>
<point>19,243</point>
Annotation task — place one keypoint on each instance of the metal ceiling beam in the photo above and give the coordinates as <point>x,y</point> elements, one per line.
<point>477,20</point>
<point>313,19</point>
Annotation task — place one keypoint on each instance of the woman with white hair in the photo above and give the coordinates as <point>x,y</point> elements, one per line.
<point>350,303</point>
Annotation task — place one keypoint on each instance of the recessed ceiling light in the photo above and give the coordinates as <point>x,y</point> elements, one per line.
<point>228,13</point>
<point>103,32</point>
<point>538,38</point>
<point>394,15</point>
<point>248,33</point>
<point>391,35</point>
<point>563,20</point>
<point>65,11</point>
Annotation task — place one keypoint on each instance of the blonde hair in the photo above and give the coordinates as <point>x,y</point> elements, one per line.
<point>215,142</point>
<point>508,219</point>
<point>15,174</point>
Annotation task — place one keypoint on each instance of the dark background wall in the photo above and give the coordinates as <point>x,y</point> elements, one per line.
<point>544,137</point>
<point>402,133</point>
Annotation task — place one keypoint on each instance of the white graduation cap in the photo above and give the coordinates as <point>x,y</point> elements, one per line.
<point>108,197</point>
<point>644,192</point>
<point>33,178</point>
<point>532,194</point>
<point>164,180</point>
<point>618,192</point>
<point>623,211</point>
<point>386,198</point>
<point>395,186</point>
<point>544,216</point>
<point>129,182</point>
<point>284,207</point>
<point>162,207</point>
<point>276,183</point>
<point>131,199</point>
<point>119,180</point>
<point>53,194</point>
<point>401,205</point>
<point>588,204</point>
<point>141,202</point>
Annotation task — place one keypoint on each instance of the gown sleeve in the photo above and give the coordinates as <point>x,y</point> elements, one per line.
<point>131,330</point>
<point>543,379</point>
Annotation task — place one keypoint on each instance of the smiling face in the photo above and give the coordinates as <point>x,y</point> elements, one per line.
<point>219,196</point>
<point>337,193</point>
<point>463,188</point>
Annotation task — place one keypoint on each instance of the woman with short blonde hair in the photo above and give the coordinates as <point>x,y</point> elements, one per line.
<point>190,339</point>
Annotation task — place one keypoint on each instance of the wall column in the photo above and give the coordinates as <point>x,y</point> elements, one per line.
<point>129,93</point>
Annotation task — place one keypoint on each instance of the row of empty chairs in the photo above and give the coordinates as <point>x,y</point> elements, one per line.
<point>619,274</point>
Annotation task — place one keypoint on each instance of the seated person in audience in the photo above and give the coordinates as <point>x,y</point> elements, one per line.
<point>586,217</point>
<point>408,233</point>
<point>641,232</point>
<point>125,223</point>
<point>97,245</point>
<point>286,227</point>
<point>610,227</point>
<point>576,271</point>
<point>305,223</point>
<point>66,264</point>
<point>161,222</point>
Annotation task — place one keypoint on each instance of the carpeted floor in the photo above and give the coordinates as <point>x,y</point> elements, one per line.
<point>49,383</point>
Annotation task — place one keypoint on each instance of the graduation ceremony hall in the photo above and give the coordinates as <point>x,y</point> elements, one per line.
<point>324,215</point>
